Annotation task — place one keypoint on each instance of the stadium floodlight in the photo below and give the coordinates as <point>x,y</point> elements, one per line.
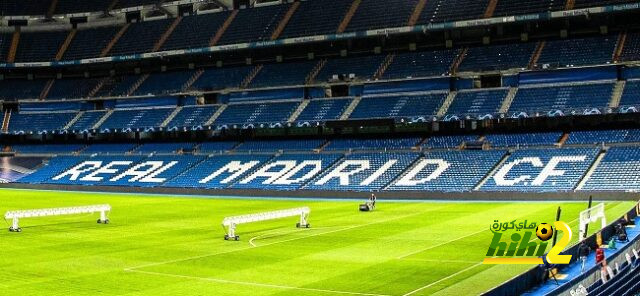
<point>232,222</point>
<point>16,215</point>
<point>591,215</point>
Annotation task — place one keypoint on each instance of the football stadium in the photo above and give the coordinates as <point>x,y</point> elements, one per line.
<point>320,147</point>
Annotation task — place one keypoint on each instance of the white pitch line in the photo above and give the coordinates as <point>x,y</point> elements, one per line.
<point>442,279</point>
<point>440,244</point>
<point>440,260</point>
<point>284,232</point>
<point>269,244</point>
<point>254,284</point>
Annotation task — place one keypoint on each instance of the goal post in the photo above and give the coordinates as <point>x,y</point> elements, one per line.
<point>232,222</point>
<point>591,215</point>
<point>15,216</point>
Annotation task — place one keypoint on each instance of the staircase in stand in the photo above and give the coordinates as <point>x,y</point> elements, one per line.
<point>536,54</point>
<point>135,86</point>
<point>458,61</point>
<point>98,86</point>
<point>491,7</point>
<point>73,121</point>
<point>352,106</point>
<point>114,40</point>
<point>223,28</point>
<point>103,119</point>
<point>347,17</point>
<point>383,67</point>
<point>445,105</point>
<point>5,121</point>
<point>45,91</point>
<point>506,104</point>
<point>166,34</point>
<point>314,72</point>
<point>52,9</point>
<point>616,95</point>
<point>193,79</point>
<point>65,44</point>
<point>285,20</point>
<point>622,39</point>
<point>171,116</point>
<point>563,139</point>
<point>254,72</point>
<point>591,170</point>
<point>15,39</point>
<point>216,115</point>
<point>299,110</point>
<point>415,16</point>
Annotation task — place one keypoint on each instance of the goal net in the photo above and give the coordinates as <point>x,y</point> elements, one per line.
<point>591,215</point>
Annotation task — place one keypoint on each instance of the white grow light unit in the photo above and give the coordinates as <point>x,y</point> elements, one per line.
<point>232,222</point>
<point>17,215</point>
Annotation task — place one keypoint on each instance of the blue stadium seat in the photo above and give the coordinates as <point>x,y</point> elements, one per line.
<point>164,148</point>
<point>275,145</point>
<point>323,109</point>
<point>315,17</point>
<point>376,14</point>
<point>36,122</point>
<point>219,78</point>
<point>293,73</point>
<point>192,116</point>
<point>216,147</point>
<point>578,51</point>
<point>164,83</point>
<point>51,168</point>
<point>421,64</point>
<point>618,171</point>
<point>195,31</point>
<point>524,139</point>
<point>136,118</point>
<point>497,57</point>
<point>13,89</point>
<point>47,149</point>
<point>39,46</point>
<point>253,113</point>
<point>373,144</point>
<point>256,24</point>
<point>362,67</point>
<point>516,7</point>
<point>448,142</point>
<point>140,37</point>
<point>79,6</point>
<point>601,136</point>
<point>120,148</point>
<point>87,120</point>
<point>565,98</point>
<point>631,94</point>
<point>438,11</point>
<point>478,102</point>
<point>72,88</point>
<point>399,106</point>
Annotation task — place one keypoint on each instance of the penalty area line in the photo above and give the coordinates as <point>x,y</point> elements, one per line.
<point>443,279</point>
<point>223,281</point>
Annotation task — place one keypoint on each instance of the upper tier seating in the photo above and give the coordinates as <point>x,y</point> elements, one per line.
<point>89,43</point>
<point>283,74</point>
<point>365,164</point>
<point>39,121</point>
<point>374,144</point>
<point>87,120</point>
<point>321,110</point>
<point>120,148</point>
<point>375,14</point>
<point>478,102</point>
<point>14,89</point>
<point>223,171</point>
<point>569,97</point>
<point>498,57</point>
<point>39,46</point>
<point>463,170</point>
<point>438,11</point>
<point>448,142</point>
<point>140,37</point>
<point>166,148</point>
<point>603,136</point>
<point>578,51</point>
<point>515,7</point>
<point>78,6</point>
<point>51,168</point>
<point>294,179</point>
<point>117,86</point>
<point>631,94</point>
<point>136,118</point>
<point>631,49</point>
<point>72,88</point>
<point>47,149</point>
<point>255,24</point>
<point>257,113</point>
<point>195,31</point>
<point>362,67</point>
<point>398,106</point>
<point>618,170</point>
<point>164,83</point>
<point>524,139</point>
<point>219,78</point>
<point>216,147</point>
<point>315,17</point>
<point>192,116</point>
<point>421,64</point>
<point>524,170</point>
<point>24,7</point>
<point>285,145</point>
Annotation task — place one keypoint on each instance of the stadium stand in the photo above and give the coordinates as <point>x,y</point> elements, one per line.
<point>72,88</point>
<point>255,24</point>
<point>631,50</point>
<point>5,44</point>
<point>374,144</point>
<point>164,148</point>
<point>375,14</point>
<point>398,106</point>
<point>252,113</point>
<point>283,74</point>
<point>477,102</point>
<point>219,78</point>
<point>39,46</point>
<point>602,136</point>
<point>315,18</point>
<point>164,83</point>
<point>47,149</point>
<point>120,148</point>
<point>275,145</point>
<point>421,64</point>
<point>87,120</point>
<point>590,3</point>
<point>497,57</point>
<point>448,142</point>
<point>14,89</point>
<point>133,3</point>
<point>618,170</point>
<point>524,170</point>
<point>123,119</point>
<point>88,43</point>
<point>216,147</point>
<point>117,86</point>
<point>565,98</point>
<point>452,10</point>
<point>577,52</point>
<point>192,116</point>
<point>140,37</point>
<point>36,122</point>
<point>631,94</point>
<point>523,139</point>
<point>323,109</point>
<point>515,7</point>
<point>51,168</point>
<point>195,31</point>
<point>24,7</point>
<point>362,67</point>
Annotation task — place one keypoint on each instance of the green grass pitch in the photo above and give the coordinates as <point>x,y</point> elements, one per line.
<point>174,246</point>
